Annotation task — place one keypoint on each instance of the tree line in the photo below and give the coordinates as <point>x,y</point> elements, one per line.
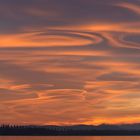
<point>21,130</point>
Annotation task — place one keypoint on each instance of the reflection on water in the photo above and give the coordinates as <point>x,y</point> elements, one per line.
<point>69,138</point>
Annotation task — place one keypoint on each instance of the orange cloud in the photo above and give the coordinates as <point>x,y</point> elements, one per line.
<point>40,39</point>
<point>65,68</point>
<point>132,7</point>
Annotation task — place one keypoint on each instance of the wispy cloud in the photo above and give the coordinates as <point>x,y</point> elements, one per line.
<point>69,62</point>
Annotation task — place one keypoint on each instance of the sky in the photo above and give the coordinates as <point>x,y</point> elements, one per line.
<point>65,62</point>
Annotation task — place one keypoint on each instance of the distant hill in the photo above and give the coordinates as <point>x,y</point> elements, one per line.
<point>99,127</point>
<point>74,130</point>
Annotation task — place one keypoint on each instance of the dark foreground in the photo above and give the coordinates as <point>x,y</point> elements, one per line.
<point>69,137</point>
<point>66,131</point>
<point>77,133</point>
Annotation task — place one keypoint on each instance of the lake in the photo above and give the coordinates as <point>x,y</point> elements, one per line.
<point>69,138</point>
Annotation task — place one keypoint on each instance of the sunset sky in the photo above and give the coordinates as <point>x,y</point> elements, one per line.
<point>69,62</point>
